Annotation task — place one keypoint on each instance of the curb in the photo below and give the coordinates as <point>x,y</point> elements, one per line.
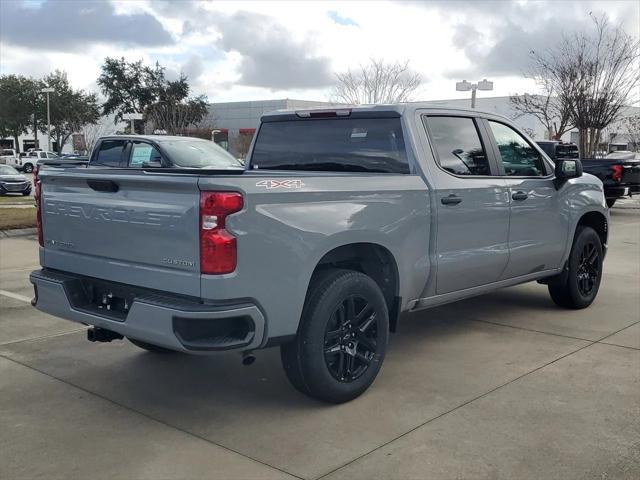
<point>18,232</point>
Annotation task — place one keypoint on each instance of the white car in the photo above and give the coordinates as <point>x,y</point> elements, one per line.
<point>28,162</point>
<point>8,156</point>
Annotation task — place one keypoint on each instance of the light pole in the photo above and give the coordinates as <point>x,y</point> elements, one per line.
<point>465,86</point>
<point>48,90</point>
<point>131,117</point>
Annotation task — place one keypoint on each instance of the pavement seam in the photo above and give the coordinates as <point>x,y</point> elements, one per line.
<point>44,337</point>
<point>149,417</point>
<point>561,335</point>
<point>464,404</point>
<point>533,330</point>
<point>619,346</point>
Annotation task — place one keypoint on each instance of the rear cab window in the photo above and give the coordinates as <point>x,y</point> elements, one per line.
<point>331,144</point>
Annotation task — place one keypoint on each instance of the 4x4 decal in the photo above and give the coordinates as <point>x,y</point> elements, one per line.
<point>271,184</point>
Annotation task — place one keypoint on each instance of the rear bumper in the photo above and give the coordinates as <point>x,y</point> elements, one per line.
<point>618,191</point>
<point>166,320</point>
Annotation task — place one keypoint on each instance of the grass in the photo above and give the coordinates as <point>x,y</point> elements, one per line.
<point>17,218</point>
<point>16,199</point>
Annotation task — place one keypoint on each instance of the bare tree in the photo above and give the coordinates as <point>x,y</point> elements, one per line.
<point>596,75</point>
<point>92,132</point>
<point>174,117</point>
<point>376,82</point>
<point>242,143</point>
<point>550,110</point>
<point>631,125</point>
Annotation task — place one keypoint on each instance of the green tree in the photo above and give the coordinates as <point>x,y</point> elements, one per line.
<point>133,87</point>
<point>18,100</point>
<point>70,109</point>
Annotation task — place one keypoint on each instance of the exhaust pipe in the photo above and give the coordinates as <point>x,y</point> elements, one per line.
<point>248,358</point>
<point>97,334</point>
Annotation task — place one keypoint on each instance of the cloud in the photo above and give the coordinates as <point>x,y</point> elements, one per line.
<point>346,21</point>
<point>270,56</point>
<point>193,68</point>
<point>503,45</point>
<point>69,25</point>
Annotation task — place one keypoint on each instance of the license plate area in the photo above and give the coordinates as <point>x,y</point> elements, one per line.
<point>101,298</point>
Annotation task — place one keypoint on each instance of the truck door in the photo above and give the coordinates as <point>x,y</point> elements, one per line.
<point>539,223</point>
<point>472,204</point>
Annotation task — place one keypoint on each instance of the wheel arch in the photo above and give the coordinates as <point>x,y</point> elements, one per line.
<point>373,260</point>
<point>598,222</point>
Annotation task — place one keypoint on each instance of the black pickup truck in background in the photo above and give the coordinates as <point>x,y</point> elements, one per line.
<point>619,171</point>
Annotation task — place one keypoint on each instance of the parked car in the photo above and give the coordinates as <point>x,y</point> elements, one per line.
<point>12,181</point>
<point>340,221</point>
<point>27,161</point>
<point>556,149</point>
<point>620,177</point>
<point>619,171</point>
<point>7,156</point>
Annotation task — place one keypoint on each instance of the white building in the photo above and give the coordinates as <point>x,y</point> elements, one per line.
<point>27,141</point>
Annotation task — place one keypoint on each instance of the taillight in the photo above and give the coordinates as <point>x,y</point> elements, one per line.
<point>36,196</point>
<point>616,176</point>
<point>218,250</point>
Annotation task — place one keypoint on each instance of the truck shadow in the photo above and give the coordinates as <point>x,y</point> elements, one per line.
<point>191,383</point>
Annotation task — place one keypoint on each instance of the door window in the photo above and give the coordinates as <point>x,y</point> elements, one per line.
<point>142,153</point>
<point>519,158</point>
<point>110,153</point>
<point>458,145</point>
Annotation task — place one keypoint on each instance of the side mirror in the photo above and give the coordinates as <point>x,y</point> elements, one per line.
<point>567,168</point>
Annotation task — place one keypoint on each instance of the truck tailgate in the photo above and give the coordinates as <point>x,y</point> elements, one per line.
<point>631,172</point>
<point>135,228</point>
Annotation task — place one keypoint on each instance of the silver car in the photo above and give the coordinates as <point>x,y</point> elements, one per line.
<point>12,181</point>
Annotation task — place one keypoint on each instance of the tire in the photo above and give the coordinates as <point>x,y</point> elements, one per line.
<point>578,285</point>
<point>611,202</point>
<point>342,337</point>
<point>27,193</point>
<point>150,347</point>
<point>27,168</point>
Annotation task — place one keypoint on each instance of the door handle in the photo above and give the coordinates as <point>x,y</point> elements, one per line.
<point>103,185</point>
<point>519,196</point>
<point>451,200</point>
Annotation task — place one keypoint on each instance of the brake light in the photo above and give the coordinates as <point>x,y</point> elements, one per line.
<point>616,176</point>
<point>36,196</point>
<point>218,250</point>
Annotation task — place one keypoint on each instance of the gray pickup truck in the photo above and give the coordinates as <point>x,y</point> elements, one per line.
<point>340,221</point>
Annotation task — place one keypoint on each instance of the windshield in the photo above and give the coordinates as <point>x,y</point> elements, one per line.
<point>193,153</point>
<point>7,170</point>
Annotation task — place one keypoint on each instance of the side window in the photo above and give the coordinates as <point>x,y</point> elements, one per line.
<point>110,153</point>
<point>519,158</point>
<point>142,153</point>
<point>458,144</point>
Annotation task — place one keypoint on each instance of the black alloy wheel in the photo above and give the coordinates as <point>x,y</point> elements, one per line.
<point>588,271</point>
<point>350,339</point>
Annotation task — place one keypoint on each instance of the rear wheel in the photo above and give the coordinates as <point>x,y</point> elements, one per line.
<point>611,202</point>
<point>27,168</point>
<point>150,347</point>
<point>578,286</point>
<point>342,337</point>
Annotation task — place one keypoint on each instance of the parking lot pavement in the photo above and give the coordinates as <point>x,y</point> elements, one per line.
<point>500,386</point>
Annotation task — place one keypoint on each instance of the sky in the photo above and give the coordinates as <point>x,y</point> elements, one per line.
<point>236,51</point>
